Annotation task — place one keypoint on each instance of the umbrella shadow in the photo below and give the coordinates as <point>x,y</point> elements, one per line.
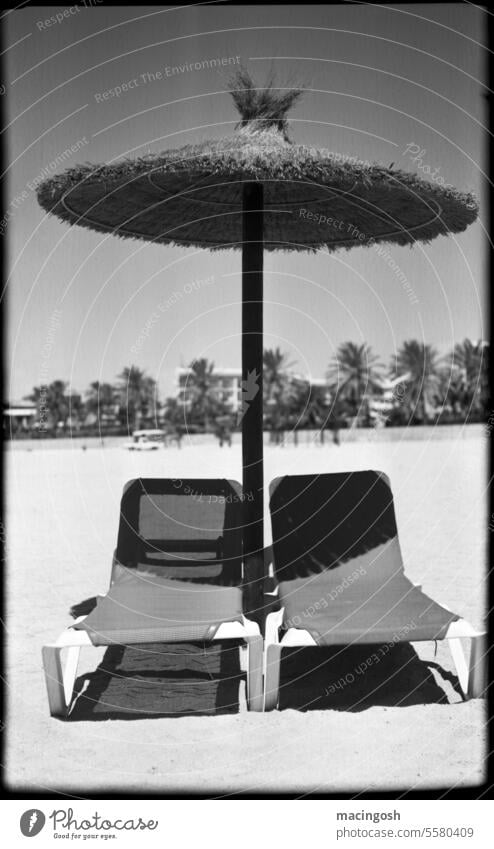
<point>356,678</point>
<point>152,681</point>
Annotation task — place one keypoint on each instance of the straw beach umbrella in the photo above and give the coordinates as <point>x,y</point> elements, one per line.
<point>256,190</point>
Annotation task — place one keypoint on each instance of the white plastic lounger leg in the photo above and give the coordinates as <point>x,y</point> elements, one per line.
<point>255,645</point>
<point>460,662</point>
<point>471,673</point>
<point>272,676</point>
<point>248,631</point>
<point>60,681</point>
<point>274,622</point>
<point>476,668</point>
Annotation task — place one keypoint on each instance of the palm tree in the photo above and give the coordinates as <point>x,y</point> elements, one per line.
<point>151,402</point>
<point>313,408</point>
<point>275,368</point>
<point>138,395</point>
<point>451,393</point>
<point>278,389</point>
<point>317,409</point>
<point>101,401</point>
<point>469,375</point>
<point>76,410</point>
<point>354,373</point>
<point>173,412</point>
<point>422,364</point>
<point>204,402</point>
<point>38,398</point>
<point>52,404</point>
<point>305,404</point>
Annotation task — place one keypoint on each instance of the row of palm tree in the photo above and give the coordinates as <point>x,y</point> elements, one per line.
<point>125,404</point>
<point>426,387</point>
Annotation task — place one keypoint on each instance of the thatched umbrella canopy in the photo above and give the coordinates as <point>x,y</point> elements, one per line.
<point>256,190</point>
<point>313,198</point>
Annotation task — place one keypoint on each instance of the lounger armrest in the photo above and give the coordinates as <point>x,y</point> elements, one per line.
<point>461,628</point>
<point>251,627</point>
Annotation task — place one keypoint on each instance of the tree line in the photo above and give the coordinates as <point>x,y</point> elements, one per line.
<point>418,386</point>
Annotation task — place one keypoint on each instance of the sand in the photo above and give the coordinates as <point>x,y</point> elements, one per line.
<point>62,519</point>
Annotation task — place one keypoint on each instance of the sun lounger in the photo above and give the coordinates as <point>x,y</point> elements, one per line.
<point>341,579</point>
<point>176,577</point>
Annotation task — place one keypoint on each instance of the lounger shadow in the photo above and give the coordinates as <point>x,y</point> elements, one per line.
<point>356,678</point>
<point>156,680</point>
<point>176,578</point>
<point>341,579</point>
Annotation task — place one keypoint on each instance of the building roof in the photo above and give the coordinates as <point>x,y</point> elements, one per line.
<point>19,411</point>
<point>217,372</point>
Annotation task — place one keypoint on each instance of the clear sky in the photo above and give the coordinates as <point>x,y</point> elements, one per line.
<point>376,79</point>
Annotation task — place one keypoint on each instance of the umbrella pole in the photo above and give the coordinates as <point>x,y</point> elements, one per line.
<point>252,396</point>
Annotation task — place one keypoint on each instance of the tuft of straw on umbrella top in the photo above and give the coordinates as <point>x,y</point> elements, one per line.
<point>262,108</point>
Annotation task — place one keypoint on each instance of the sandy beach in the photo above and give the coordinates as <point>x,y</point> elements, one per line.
<point>63,511</point>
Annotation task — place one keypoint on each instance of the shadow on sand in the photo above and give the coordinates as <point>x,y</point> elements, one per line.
<point>356,678</point>
<point>156,680</point>
<point>176,680</point>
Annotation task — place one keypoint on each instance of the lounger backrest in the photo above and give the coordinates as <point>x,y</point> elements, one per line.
<point>188,529</point>
<point>320,522</point>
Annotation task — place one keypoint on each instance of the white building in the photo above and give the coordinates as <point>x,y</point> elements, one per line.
<point>226,382</point>
<point>19,414</point>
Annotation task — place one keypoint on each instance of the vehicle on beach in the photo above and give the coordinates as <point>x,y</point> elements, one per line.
<point>146,440</point>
